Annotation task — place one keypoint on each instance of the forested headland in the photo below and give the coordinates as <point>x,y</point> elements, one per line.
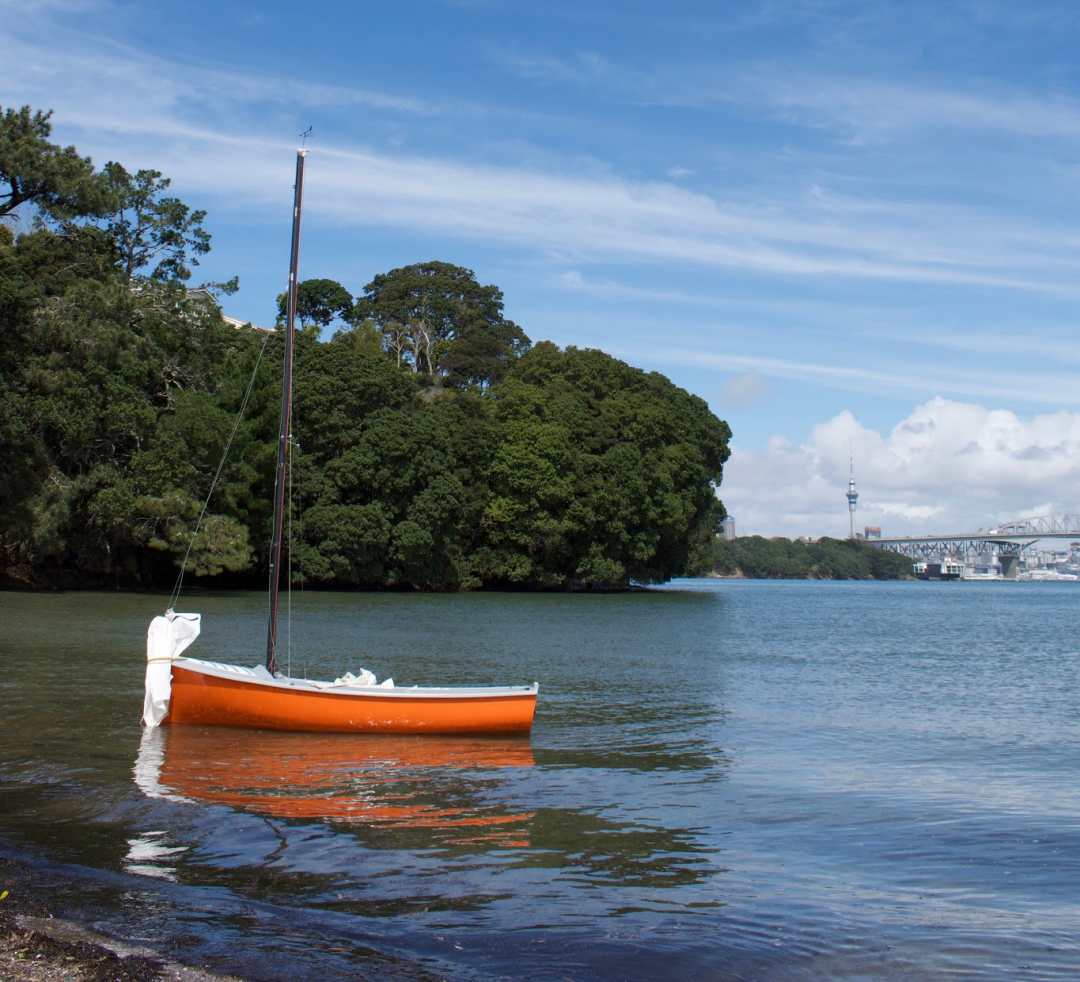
<point>435,447</point>
<point>756,557</point>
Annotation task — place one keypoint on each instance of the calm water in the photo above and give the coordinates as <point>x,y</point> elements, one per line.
<point>726,779</point>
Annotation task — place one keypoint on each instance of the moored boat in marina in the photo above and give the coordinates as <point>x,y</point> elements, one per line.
<point>1041,575</point>
<point>948,569</point>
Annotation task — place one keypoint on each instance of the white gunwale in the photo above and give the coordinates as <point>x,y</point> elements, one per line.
<point>237,673</point>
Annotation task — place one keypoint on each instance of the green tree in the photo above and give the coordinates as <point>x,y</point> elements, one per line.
<point>603,473</point>
<point>34,171</point>
<point>152,230</point>
<point>778,558</point>
<point>482,353</point>
<point>428,310</point>
<point>220,545</point>
<point>318,301</point>
<point>363,336</point>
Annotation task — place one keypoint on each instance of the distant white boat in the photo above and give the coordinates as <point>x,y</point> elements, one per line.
<point>947,570</point>
<point>1048,576</point>
<point>980,573</point>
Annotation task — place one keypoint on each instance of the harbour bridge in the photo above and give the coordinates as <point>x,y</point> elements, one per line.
<point>1006,542</point>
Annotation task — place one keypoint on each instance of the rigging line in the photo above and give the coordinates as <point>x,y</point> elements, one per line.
<point>293,448</point>
<point>288,568</point>
<point>300,520</point>
<point>174,597</point>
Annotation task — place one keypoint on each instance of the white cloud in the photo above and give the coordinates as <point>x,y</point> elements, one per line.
<point>744,389</point>
<point>947,467</point>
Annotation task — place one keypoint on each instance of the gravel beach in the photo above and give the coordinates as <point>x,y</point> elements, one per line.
<point>39,947</point>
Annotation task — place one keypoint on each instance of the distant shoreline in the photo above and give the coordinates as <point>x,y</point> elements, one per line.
<point>755,557</point>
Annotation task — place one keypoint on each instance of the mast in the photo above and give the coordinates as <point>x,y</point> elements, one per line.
<point>285,426</point>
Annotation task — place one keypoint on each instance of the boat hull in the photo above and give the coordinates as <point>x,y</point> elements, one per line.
<point>212,698</point>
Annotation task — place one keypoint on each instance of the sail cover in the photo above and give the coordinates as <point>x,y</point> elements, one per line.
<point>167,638</point>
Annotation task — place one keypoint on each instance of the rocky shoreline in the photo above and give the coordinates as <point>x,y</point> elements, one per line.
<point>37,946</point>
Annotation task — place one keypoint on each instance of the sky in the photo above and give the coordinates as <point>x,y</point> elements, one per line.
<point>853,228</point>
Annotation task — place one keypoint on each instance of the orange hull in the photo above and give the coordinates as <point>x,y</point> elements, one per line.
<point>211,698</point>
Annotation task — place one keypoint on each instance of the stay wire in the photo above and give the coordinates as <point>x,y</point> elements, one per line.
<point>288,568</point>
<point>174,597</point>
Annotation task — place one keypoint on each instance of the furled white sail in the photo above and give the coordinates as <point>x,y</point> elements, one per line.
<point>167,638</point>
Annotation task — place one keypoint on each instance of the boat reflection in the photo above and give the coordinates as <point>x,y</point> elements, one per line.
<point>388,781</point>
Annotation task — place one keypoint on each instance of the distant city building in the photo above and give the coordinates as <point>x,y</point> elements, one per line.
<point>852,498</point>
<point>728,528</point>
<point>201,294</point>
<point>872,531</point>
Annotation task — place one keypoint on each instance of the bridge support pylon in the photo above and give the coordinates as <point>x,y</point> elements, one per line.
<point>1010,566</point>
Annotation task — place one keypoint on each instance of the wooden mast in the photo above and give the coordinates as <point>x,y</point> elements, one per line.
<point>286,420</point>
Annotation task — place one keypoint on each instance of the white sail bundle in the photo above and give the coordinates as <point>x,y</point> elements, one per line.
<point>168,637</point>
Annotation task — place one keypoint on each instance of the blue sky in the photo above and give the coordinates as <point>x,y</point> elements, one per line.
<point>852,227</point>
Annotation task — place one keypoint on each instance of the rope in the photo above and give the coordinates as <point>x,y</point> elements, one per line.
<point>174,597</point>
<point>288,571</point>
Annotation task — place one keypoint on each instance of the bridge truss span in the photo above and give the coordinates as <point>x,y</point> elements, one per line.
<point>1005,542</point>
<point>931,548</point>
<point>1043,527</point>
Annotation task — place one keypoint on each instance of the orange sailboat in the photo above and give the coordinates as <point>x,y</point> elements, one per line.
<point>189,690</point>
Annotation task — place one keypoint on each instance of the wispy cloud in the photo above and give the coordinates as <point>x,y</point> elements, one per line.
<point>878,109</point>
<point>583,66</point>
<point>178,112</point>
<point>138,85</point>
<point>1032,387</point>
<point>744,389</point>
<point>574,281</point>
<point>859,103</point>
<point>33,8</point>
<point>984,340</point>
<point>589,216</point>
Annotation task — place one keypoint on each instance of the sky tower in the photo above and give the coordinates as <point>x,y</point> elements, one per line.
<point>852,497</point>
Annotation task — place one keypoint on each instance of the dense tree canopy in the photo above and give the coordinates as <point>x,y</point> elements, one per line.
<point>834,559</point>
<point>526,468</point>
